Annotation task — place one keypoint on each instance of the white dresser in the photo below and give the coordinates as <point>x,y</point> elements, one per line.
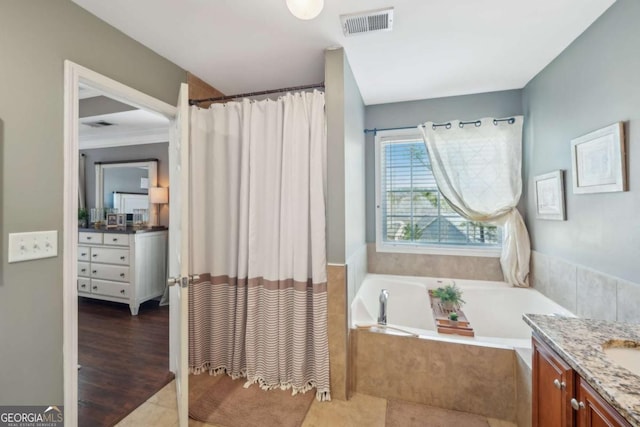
<point>127,267</point>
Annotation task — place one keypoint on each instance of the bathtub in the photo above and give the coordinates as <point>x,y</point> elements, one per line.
<point>494,309</point>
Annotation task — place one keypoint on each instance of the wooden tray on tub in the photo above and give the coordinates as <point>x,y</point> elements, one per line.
<point>443,324</point>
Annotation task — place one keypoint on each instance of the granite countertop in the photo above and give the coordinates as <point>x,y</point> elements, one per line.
<point>579,342</point>
<point>129,230</point>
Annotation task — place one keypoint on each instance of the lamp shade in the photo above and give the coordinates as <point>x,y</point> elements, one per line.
<point>158,195</point>
<point>305,9</point>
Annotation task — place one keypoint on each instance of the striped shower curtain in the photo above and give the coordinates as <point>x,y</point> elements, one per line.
<point>259,310</point>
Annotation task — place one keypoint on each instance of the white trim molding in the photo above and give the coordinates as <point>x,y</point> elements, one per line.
<point>74,75</point>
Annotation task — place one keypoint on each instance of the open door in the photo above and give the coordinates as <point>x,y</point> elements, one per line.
<point>179,253</point>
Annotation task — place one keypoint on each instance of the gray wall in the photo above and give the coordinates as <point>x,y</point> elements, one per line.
<point>36,36</point>
<point>354,142</point>
<point>593,83</point>
<point>354,184</point>
<point>158,151</point>
<point>466,107</point>
<point>334,101</point>
<point>345,159</point>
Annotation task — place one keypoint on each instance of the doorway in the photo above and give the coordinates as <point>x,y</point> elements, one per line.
<point>123,321</point>
<point>76,77</point>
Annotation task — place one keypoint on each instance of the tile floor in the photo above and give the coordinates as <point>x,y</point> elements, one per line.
<point>362,410</point>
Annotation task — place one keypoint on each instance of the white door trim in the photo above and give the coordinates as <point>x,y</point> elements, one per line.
<point>75,74</point>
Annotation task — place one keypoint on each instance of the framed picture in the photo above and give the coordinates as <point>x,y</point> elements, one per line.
<point>549,194</point>
<point>112,220</point>
<point>121,221</point>
<point>598,160</point>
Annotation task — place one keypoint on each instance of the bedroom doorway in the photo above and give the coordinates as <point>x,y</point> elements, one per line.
<point>121,287</point>
<point>123,319</point>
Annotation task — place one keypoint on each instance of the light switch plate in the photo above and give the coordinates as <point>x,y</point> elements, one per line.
<point>33,245</point>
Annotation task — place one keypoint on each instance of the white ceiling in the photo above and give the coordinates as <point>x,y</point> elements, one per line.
<point>437,47</point>
<point>128,128</point>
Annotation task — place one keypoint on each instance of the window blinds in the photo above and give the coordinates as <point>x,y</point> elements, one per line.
<point>413,211</point>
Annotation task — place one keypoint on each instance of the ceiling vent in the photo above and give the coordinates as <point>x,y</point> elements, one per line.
<point>367,22</point>
<point>98,124</point>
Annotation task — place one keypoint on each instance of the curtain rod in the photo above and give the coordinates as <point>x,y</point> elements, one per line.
<point>376,130</point>
<point>263,92</point>
<point>447,125</point>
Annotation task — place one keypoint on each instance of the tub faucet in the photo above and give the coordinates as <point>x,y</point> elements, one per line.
<point>382,314</point>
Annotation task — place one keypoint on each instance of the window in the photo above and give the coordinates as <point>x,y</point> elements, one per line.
<point>412,215</point>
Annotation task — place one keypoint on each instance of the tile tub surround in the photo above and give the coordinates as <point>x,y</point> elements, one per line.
<point>469,378</point>
<point>628,300</point>
<point>579,342</point>
<point>523,386</point>
<point>337,329</point>
<point>563,284</point>
<point>454,267</point>
<point>583,291</point>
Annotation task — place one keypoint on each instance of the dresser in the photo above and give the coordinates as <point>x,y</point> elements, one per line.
<point>122,266</point>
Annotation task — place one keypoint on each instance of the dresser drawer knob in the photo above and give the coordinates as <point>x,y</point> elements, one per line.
<point>122,258</point>
<point>83,254</point>
<point>95,288</point>
<point>83,270</point>
<point>122,275</point>
<point>95,271</point>
<point>122,291</point>
<point>115,239</point>
<point>83,286</point>
<point>94,255</point>
<point>89,237</point>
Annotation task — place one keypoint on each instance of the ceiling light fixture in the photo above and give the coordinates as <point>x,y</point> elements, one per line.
<point>305,9</point>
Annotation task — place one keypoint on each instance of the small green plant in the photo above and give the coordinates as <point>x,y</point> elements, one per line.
<point>412,232</point>
<point>453,316</point>
<point>83,214</point>
<point>449,295</point>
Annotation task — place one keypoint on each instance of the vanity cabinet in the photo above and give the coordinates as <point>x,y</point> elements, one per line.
<point>594,410</point>
<point>561,398</point>
<point>552,385</point>
<point>126,267</point>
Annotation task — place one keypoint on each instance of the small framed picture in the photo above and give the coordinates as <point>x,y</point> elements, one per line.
<point>549,194</point>
<point>598,159</point>
<point>121,221</point>
<point>112,220</point>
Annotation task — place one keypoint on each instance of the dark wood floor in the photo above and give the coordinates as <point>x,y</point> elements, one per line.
<point>124,359</point>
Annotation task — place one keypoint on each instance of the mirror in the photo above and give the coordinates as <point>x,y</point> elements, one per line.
<point>125,185</point>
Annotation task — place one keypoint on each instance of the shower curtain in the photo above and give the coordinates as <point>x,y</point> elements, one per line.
<point>477,167</point>
<point>258,184</point>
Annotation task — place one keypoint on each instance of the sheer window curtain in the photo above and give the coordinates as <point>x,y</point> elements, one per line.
<point>488,185</point>
<point>258,232</point>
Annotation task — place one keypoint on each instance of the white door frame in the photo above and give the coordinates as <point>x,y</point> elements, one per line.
<point>75,74</point>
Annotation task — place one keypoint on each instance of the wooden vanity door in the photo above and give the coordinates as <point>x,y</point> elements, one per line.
<point>552,388</point>
<point>594,411</point>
